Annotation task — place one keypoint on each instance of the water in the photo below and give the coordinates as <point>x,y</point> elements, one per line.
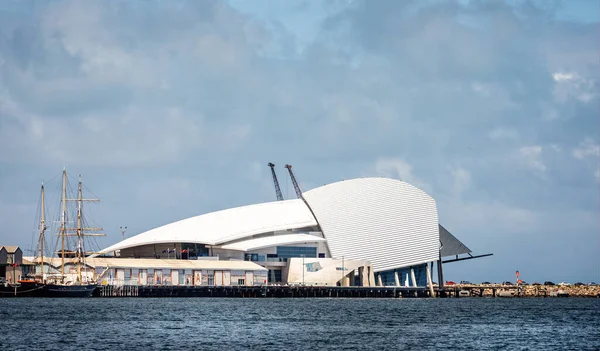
<point>333,324</point>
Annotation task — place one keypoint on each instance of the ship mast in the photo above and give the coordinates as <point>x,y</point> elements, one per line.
<point>63,221</point>
<point>42,230</point>
<point>79,231</point>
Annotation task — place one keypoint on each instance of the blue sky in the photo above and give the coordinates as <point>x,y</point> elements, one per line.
<point>173,109</point>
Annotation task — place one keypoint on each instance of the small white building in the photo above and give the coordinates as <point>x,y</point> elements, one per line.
<point>132,271</point>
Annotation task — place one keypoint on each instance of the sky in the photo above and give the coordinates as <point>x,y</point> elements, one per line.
<point>171,109</point>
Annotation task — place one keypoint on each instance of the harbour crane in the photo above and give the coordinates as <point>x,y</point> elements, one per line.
<point>277,189</point>
<point>296,187</point>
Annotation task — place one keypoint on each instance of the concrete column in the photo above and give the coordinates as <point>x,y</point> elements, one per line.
<point>396,278</point>
<point>371,276</point>
<point>412,276</point>
<point>440,271</point>
<point>379,280</point>
<point>345,280</point>
<point>361,276</point>
<point>430,282</point>
<point>364,276</point>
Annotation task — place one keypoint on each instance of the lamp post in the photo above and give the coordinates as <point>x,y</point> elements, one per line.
<point>343,271</point>
<point>123,230</point>
<point>303,268</point>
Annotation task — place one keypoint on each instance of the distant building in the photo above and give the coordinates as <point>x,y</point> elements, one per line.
<point>11,261</point>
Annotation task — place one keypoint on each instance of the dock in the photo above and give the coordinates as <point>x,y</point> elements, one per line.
<point>270,291</point>
<point>298,291</point>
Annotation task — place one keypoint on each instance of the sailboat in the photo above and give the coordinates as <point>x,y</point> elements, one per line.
<point>66,285</point>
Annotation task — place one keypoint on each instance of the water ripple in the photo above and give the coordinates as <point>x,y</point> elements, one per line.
<point>334,324</point>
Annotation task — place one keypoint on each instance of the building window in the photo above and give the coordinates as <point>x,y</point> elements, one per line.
<point>274,275</point>
<point>296,251</point>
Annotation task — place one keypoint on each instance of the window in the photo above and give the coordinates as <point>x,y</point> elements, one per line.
<point>296,251</point>
<point>274,275</point>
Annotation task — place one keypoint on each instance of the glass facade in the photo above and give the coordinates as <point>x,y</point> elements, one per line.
<point>274,275</point>
<point>283,253</point>
<point>296,251</point>
<point>388,277</point>
<point>192,251</point>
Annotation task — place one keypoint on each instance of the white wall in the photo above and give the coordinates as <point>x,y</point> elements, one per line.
<point>386,221</point>
<point>328,274</point>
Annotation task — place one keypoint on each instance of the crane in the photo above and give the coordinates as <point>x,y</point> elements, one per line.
<point>296,187</point>
<point>277,189</point>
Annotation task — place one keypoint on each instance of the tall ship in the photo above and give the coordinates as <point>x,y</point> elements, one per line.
<point>63,273</point>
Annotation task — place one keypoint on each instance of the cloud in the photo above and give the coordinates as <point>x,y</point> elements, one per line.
<point>398,168</point>
<point>462,180</point>
<point>587,148</point>
<point>564,77</point>
<point>572,85</point>
<point>532,157</point>
<point>143,97</point>
<point>500,133</point>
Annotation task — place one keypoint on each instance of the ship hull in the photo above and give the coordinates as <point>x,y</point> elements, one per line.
<point>22,290</point>
<point>57,290</point>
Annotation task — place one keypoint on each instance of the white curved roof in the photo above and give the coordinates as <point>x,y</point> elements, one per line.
<point>223,226</point>
<point>386,221</point>
<point>275,240</point>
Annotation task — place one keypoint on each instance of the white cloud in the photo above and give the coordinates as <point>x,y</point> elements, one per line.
<point>400,169</point>
<point>480,216</point>
<point>481,88</point>
<point>549,113</point>
<point>586,148</point>
<point>571,85</point>
<point>532,156</point>
<point>462,180</point>
<point>564,77</point>
<point>499,133</point>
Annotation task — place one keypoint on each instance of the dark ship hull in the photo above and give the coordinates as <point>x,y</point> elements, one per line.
<point>47,290</point>
<point>59,290</point>
<point>22,290</point>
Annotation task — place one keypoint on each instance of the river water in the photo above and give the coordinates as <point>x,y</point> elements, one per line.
<point>293,324</point>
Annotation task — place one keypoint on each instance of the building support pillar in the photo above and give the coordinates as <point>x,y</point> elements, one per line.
<point>364,275</point>
<point>430,282</point>
<point>413,278</point>
<point>371,276</point>
<point>379,280</point>
<point>440,271</point>
<point>396,278</point>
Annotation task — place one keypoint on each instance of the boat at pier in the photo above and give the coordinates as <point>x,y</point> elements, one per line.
<point>75,282</point>
<point>64,290</point>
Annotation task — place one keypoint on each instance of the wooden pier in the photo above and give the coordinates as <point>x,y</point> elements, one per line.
<point>270,291</point>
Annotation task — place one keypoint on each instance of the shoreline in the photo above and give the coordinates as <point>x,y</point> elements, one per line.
<point>499,290</point>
